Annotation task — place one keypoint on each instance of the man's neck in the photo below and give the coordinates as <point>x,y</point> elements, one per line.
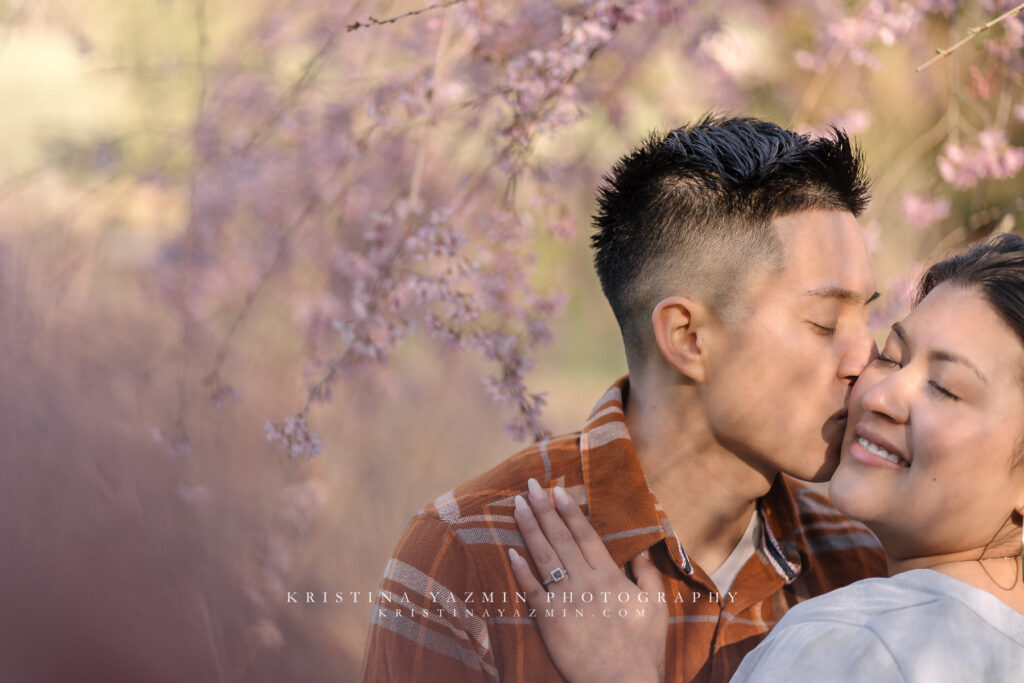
<point>707,492</point>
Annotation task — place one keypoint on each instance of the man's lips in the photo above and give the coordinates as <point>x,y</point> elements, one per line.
<point>870,448</point>
<point>839,415</point>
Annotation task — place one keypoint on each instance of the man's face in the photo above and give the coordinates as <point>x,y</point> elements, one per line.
<point>780,372</point>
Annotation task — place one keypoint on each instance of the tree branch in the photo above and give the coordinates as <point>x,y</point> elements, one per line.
<point>971,32</point>
<point>373,21</point>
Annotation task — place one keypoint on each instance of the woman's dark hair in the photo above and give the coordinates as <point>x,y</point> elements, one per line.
<point>995,268</point>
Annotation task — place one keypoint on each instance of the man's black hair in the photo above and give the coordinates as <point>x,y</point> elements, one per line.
<point>691,212</point>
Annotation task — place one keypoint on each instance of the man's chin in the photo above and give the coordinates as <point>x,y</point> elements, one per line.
<point>820,471</point>
<point>817,470</point>
<point>829,465</point>
<point>832,433</point>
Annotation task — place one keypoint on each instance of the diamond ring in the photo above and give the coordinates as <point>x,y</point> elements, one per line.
<point>556,575</point>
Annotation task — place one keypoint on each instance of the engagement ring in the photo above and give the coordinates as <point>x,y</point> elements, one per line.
<point>556,575</point>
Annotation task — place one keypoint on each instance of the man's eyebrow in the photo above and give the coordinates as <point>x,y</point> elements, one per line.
<point>941,355</point>
<point>843,294</point>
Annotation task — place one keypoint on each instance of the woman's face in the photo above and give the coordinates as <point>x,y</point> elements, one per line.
<point>933,427</point>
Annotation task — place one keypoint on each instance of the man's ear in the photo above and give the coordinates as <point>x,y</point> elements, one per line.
<point>681,330</point>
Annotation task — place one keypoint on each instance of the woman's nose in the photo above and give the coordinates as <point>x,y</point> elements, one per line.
<point>887,396</point>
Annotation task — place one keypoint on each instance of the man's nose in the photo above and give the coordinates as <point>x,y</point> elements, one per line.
<point>857,354</point>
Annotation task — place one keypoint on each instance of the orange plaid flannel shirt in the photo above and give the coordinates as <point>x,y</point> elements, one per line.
<point>449,608</point>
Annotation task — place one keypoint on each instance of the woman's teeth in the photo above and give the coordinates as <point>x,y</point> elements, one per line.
<point>881,452</point>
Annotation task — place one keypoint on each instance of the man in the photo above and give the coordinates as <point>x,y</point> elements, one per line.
<point>739,277</point>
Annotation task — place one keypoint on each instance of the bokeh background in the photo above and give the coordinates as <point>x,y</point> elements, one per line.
<point>275,274</point>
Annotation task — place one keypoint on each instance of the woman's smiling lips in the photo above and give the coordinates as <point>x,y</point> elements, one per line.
<point>871,449</point>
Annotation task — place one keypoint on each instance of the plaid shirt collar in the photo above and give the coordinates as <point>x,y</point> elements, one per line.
<point>629,518</point>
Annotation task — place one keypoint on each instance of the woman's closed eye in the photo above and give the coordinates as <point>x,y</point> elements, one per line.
<point>886,360</point>
<point>942,392</point>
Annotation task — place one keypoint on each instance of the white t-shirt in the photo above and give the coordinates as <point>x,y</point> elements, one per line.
<point>920,625</point>
<point>744,550</point>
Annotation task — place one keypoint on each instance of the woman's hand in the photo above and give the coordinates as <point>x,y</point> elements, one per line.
<point>601,645</point>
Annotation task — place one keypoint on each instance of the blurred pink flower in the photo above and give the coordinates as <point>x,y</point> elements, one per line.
<point>877,21</point>
<point>267,634</point>
<point>944,7</point>
<point>920,211</point>
<point>564,228</point>
<point>295,435</point>
<point>872,236</point>
<point>1002,160</point>
<point>853,121</point>
<point>178,444</point>
<point>903,288</point>
<point>993,157</point>
<point>809,61</point>
<point>196,494</point>
<point>300,502</point>
<point>996,5</point>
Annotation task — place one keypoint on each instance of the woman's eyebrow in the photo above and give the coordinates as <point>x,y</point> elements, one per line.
<point>949,356</point>
<point>941,354</point>
<point>901,333</point>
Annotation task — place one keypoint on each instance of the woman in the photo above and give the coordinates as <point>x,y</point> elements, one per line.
<point>932,462</point>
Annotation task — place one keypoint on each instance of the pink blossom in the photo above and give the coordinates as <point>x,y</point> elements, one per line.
<point>300,502</point>
<point>993,157</point>
<point>195,494</point>
<point>809,61</point>
<point>921,212</point>
<point>872,236</point>
<point>267,634</point>
<point>897,298</point>
<point>1001,159</point>
<point>295,435</point>
<point>996,5</point>
<point>875,22</point>
<point>176,442</point>
<point>943,7</point>
<point>853,121</point>
<point>564,227</point>
<point>903,288</point>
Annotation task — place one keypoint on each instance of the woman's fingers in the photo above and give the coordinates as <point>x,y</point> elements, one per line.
<point>528,583</point>
<point>556,533</point>
<point>587,539</point>
<point>544,556</point>
<point>588,649</point>
<point>647,575</point>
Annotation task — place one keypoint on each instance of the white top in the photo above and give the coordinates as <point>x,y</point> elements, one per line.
<point>920,625</point>
<point>744,550</point>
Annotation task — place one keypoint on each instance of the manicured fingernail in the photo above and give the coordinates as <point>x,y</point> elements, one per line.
<point>521,505</point>
<point>561,497</point>
<point>514,557</point>
<point>645,554</point>
<point>536,492</point>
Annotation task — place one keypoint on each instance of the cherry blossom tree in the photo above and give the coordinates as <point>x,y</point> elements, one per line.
<point>380,176</point>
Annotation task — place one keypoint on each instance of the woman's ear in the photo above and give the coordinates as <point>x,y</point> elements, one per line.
<point>1017,471</point>
<point>682,328</point>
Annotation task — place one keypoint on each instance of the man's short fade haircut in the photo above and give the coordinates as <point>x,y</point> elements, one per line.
<point>691,212</point>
